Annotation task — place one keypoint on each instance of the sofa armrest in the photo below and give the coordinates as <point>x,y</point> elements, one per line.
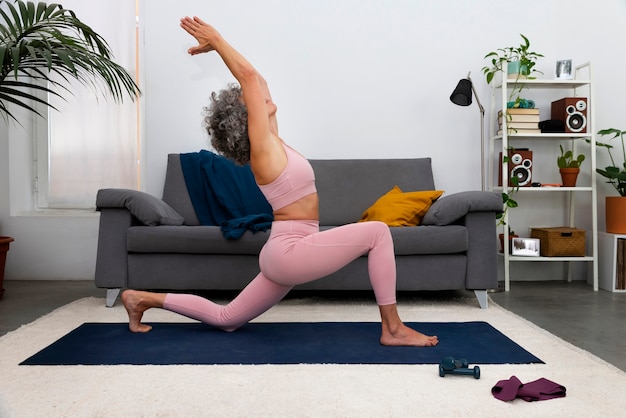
<point>482,259</point>
<point>451,208</point>
<point>146,208</point>
<point>112,254</point>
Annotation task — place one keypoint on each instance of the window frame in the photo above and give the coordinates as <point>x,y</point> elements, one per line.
<point>41,139</point>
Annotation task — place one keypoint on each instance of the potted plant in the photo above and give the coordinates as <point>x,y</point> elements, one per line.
<point>616,176</point>
<point>520,62</point>
<point>569,167</point>
<point>42,45</point>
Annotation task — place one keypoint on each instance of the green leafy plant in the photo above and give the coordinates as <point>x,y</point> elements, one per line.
<point>522,53</point>
<point>508,203</point>
<point>42,46</point>
<point>615,174</point>
<point>567,160</point>
<point>507,199</point>
<point>527,60</point>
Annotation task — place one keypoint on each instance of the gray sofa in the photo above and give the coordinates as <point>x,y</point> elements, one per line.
<point>158,244</point>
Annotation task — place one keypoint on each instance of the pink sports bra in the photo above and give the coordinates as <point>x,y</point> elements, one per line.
<point>296,181</point>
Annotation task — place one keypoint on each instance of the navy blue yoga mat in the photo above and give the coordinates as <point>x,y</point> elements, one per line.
<point>276,343</point>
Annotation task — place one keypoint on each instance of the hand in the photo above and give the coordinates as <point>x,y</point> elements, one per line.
<point>204,33</point>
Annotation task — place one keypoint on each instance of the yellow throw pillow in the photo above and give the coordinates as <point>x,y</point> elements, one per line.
<point>396,208</point>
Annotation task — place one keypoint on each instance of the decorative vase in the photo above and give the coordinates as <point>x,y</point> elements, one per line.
<point>512,67</point>
<point>516,71</point>
<point>615,214</point>
<point>511,236</point>
<point>569,176</point>
<point>4,248</point>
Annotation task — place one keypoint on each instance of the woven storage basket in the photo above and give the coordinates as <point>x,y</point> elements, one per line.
<point>560,241</point>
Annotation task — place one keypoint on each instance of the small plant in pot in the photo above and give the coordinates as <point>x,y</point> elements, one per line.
<point>520,62</point>
<point>518,57</point>
<point>616,177</point>
<point>569,167</point>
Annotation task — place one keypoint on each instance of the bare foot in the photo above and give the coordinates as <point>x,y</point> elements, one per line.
<point>395,333</point>
<point>135,304</point>
<point>402,335</point>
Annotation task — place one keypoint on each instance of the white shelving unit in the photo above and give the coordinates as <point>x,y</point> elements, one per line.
<point>607,261</point>
<point>577,87</point>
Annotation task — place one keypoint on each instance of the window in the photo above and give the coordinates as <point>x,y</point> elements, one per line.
<point>91,142</point>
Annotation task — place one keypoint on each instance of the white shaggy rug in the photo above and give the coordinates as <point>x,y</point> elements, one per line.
<point>594,388</point>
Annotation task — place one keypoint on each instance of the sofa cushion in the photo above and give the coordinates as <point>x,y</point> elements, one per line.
<point>411,240</point>
<point>347,187</point>
<point>209,240</point>
<point>397,208</point>
<point>175,191</point>
<point>450,208</point>
<point>143,206</point>
<point>192,240</point>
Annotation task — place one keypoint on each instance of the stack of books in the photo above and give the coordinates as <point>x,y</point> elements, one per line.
<point>520,121</point>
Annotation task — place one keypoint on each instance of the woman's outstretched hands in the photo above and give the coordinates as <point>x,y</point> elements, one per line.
<point>204,33</point>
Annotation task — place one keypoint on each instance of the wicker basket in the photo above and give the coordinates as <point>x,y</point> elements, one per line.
<point>560,241</point>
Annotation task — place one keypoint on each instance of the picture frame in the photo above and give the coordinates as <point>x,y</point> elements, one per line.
<point>564,70</point>
<point>526,247</point>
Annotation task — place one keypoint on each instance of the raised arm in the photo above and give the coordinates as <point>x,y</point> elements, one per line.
<point>268,97</point>
<point>254,88</point>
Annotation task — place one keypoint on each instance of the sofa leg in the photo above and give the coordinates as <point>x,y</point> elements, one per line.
<point>483,301</point>
<point>112,295</point>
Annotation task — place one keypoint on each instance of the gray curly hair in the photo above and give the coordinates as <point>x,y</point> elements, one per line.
<point>226,121</point>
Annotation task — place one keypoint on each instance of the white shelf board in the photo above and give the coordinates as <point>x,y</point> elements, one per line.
<point>545,83</point>
<point>524,258</point>
<point>559,136</point>
<point>548,189</point>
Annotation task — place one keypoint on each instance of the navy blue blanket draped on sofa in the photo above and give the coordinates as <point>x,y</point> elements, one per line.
<point>225,194</point>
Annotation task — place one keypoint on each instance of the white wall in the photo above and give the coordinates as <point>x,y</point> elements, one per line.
<point>351,78</point>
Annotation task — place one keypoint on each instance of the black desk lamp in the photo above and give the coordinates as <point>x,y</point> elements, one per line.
<point>462,96</point>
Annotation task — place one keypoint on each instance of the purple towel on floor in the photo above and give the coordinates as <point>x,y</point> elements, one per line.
<point>537,390</point>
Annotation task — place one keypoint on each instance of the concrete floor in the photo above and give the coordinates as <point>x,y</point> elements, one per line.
<point>593,321</point>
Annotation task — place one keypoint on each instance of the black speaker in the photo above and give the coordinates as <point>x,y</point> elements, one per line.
<point>572,111</point>
<point>520,166</point>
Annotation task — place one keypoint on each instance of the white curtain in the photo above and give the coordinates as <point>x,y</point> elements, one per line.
<point>92,140</point>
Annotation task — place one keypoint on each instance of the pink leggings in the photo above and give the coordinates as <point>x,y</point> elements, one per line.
<point>295,253</point>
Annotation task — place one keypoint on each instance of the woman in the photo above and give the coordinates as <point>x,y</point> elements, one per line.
<point>242,124</point>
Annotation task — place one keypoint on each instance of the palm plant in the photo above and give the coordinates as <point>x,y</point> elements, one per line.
<point>44,46</point>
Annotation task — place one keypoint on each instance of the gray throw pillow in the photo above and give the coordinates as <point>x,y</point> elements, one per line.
<point>448,209</point>
<point>143,206</point>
